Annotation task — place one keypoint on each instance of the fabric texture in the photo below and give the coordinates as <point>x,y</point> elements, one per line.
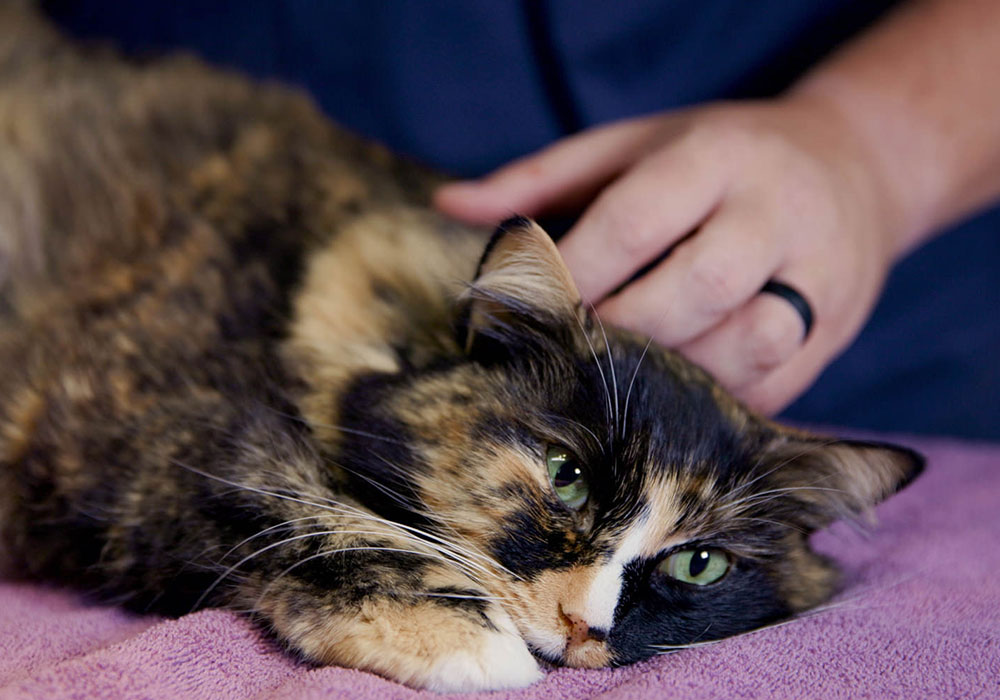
<point>919,616</point>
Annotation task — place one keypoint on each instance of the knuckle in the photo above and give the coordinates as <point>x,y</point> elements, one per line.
<point>773,339</point>
<point>720,136</point>
<point>715,283</point>
<point>636,237</point>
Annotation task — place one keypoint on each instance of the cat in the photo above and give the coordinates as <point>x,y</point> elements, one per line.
<point>244,364</point>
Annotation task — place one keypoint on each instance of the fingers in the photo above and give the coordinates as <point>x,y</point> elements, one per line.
<point>755,340</point>
<point>567,173</point>
<point>774,391</point>
<point>641,215</point>
<point>740,194</point>
<point>837,323</point>
<point>706,278</point>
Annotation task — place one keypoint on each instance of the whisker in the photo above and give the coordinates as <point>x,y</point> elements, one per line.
<point>437,544</point>
<point>455,550</point>
<point>332,426</point>
<point>459,596</point>
<point>396,497</point>
<point>576,423</point>
<point>842,604</point>
<point>767,522</point>
<point>339,550</point>
<point>280,525</point>
<point>635,373</point>
<point>773,494</point>
<point>271,546</point>
<point>600,369</point>
<point>789,460</point>
<point>611,367</point>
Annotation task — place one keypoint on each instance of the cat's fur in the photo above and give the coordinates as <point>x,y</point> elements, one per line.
<point>243,364</point>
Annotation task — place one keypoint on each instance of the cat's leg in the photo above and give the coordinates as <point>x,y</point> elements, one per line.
<point>374,596</point>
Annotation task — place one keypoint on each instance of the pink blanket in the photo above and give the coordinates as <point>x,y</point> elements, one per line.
<point>919,618</point>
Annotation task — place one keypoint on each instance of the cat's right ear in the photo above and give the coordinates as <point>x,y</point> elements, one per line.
<point>522,292</point>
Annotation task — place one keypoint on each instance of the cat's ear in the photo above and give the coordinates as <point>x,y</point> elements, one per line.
<point>522,287</point>
<point>826,480</point>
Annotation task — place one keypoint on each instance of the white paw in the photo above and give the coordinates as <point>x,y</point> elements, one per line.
<point>423,644</point>
<point>501,661</point>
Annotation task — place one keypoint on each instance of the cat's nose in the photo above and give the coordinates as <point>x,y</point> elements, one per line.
<point>585,647</point>
<point>578,631</point>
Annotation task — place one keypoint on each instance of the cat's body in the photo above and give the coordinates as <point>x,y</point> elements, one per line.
<point>243,364</point>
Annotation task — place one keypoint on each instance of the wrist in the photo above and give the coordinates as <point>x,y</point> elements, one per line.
<point>880,186</point>
<point>917,90</point>
<point>895,153</point>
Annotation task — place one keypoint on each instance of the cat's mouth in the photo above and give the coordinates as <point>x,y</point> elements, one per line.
<point>549,659</point>
<point>576,652</point>
<point>552,617</point>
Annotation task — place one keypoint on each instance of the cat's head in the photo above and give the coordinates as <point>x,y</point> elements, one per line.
<point>615,498</point>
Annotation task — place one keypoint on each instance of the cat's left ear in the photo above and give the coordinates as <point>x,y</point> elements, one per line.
<point>522,287</point>
<point>827,480</point>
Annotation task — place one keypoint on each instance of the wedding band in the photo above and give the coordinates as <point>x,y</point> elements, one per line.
<point>793,297</point>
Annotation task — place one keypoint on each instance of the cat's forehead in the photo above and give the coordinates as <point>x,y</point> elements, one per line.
<point>653,430</point>
<point>650,406</point>
<point>626,408</point>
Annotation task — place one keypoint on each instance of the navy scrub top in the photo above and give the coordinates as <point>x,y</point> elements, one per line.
<point>466,86</point>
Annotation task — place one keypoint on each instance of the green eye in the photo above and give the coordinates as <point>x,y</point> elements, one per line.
<point>700,567</point>
<point>567,477</point>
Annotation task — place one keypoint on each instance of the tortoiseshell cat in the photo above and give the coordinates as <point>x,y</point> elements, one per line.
<point>243,364</point>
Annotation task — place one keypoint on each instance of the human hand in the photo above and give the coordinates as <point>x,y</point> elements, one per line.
<point>746,193</point>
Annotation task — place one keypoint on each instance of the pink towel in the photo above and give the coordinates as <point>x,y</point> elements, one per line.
<point>919,617</point>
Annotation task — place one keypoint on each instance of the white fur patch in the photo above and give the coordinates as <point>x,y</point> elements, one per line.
<point>602,597</point>
<point>501,661</point>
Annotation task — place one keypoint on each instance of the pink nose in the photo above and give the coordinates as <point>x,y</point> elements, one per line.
<point>578,631</point>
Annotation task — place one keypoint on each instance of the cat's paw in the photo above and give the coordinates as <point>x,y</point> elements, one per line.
<point>499,659</point>
<point>435,643</point>
<point>451,649</point>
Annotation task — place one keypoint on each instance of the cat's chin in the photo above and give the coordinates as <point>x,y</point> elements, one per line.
<point>556,651</point>
<point>589,654</point>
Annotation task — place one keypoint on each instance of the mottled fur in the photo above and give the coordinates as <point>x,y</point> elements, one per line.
<point>243,364</point>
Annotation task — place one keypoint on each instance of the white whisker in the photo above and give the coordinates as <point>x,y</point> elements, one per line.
<point>454,549</point>
<point>280,525</point>
<point>244,560</point>
<point>756,499</point>
<point>611,366</point>
<point>811,448</point>
<point>578,424</point>
<point>842,604</point>
<point>332,426</point>
<point>433,541</point>
<point>459,596</point>
<point>635,373</point>
<point>600,369</point>
<point>331,552</point>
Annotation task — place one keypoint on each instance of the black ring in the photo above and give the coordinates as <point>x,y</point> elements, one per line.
<point>793,297</point>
